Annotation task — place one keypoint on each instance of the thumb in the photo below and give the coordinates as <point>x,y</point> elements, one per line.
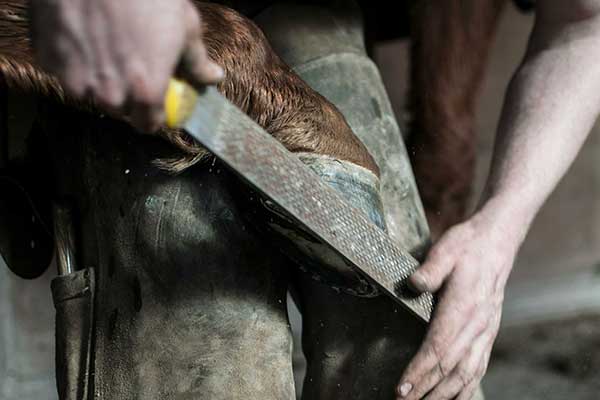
<point>432,274</point>
<point>195,65</point>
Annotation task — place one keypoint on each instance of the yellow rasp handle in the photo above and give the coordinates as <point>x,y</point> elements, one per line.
<point>180,101</point>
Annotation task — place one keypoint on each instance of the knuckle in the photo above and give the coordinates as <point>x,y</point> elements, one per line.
<point>445,368</point>
<point>465,230</point>
<point>435,250</point>
<point>434,271</point>
<point>429,276</point>
<point>148,101</point>
<point>441,363</point>
<point>111,96</point>
<point>136,75</point>
<point>145,92</point>
<point>111,90</point>
<point>79,86</point>
<point>420,277</point>
<point>438,252</point>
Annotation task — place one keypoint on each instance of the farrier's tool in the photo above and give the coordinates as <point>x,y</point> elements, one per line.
<point>270,169</point>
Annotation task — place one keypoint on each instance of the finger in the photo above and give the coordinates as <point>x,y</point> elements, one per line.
<point>448,322</point>
<point>75,79</point>
<point>146,100</point>
<point>468,393</point>
<point>447,389</point>
<point>467,372</point>
<point>453,385</point>
<point>463,343</point>
<point>429,380</point>
<point>111,92</point>
<point>195,65</point>
<point>433,272</point>
<point>423,373</point>
<point>147,118</point>
<point>146,113</point>
<point>110,87</point>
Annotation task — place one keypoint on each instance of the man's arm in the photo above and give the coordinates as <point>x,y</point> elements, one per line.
<point>551,105</point>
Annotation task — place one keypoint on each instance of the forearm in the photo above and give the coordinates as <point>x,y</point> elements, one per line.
<point>551,105</point>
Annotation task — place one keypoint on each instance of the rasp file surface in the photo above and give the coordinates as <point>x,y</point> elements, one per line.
<point>280,176</point>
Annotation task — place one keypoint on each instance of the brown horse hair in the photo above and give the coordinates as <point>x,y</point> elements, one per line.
<point>257,81</point>
<point>451,40</point>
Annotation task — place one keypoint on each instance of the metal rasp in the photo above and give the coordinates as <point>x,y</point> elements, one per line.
<point>270,169</point>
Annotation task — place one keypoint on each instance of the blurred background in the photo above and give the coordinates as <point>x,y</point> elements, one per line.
<point>549,344</point>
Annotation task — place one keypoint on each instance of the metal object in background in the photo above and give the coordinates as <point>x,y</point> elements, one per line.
<point>282,178</point>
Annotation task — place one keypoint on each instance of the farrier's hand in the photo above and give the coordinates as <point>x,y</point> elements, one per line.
<point>122,52</point>
<point>469,265</point>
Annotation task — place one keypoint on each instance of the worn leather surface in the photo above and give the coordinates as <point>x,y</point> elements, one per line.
<point>190,303</point>
<point>356,348</point>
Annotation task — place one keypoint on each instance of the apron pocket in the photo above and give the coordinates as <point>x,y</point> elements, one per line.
<point>73,296</point>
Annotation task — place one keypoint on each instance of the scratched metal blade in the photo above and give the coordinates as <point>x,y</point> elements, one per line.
<point>280,176</point>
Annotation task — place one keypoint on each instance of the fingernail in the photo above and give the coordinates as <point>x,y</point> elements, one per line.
<point>419,282</point>
<point>405,389</point>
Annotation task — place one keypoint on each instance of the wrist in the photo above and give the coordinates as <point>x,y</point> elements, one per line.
<point>508,220</point>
